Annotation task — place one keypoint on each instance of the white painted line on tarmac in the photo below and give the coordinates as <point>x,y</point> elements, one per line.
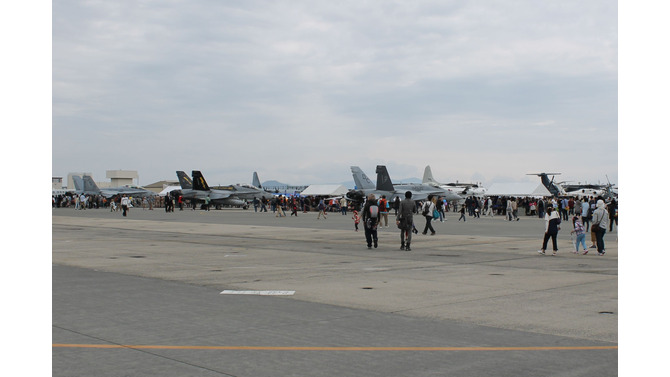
<point>259,293</point>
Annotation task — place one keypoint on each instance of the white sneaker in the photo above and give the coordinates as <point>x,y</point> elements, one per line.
<point>541,252</point>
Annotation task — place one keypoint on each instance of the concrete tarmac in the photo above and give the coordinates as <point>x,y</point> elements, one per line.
<point>141,296</point>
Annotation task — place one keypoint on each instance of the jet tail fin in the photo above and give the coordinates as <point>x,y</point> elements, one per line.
<point>255,181</point>
<point>89,185</point>
<point>428,176</point>
<point>383,179</point>
<point>184,180</point>
<point>78,184</point>
<point>361,180</point>
<point>199,182</point>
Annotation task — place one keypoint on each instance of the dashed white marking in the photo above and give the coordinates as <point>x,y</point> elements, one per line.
<point>259,293</point>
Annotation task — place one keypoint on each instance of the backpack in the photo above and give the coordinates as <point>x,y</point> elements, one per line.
<point>426,208</point>
<point>374,211</point>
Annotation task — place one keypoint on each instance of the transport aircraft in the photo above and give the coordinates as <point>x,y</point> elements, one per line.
<point>86,185</point>
<point>462,189</point>
<point>554,188</point>
<point>561,189</point>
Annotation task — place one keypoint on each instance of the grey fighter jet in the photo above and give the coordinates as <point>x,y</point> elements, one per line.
<point>240,190</point>
<point>462,189</point>
<point>384,186</point>
<point>233,195</point>
<point>90,188</point>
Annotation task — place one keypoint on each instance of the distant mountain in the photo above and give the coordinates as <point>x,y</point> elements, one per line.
<point>274,184</point>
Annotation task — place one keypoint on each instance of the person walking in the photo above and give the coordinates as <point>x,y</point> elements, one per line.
<point>125,202</point>
<point>515,209</point>
<point>322,210</point>
<point>357,219</point>
<point>294,207</point>
<point>427,212</point>
<point>599,225</point>
<point>370,219</point>
<point>383,211</point>
<point>551,227</point>
<point>462,213</point>
<point>405,220</point>
<point>612,209</point>
<point>343,206</point>
<point>489,207</point>
<point>580,234</point>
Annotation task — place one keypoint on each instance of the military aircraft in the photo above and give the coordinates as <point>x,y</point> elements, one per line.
<point>233,195</point>
<point>198,190</point>
<point>241,190</point>
<point>88,186</point>
<point>606,191</point>
<point>554,188</point>
<point>384,186</point>
<point>238,190</point>
<point>78,184</point>
<point>419,190</point>
<point>462,189</point>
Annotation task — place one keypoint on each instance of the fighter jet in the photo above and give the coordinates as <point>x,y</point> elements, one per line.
<point>198,190</point>
<point>419,191</point>
<point>241,190</point>
<point>233,195</point>
<point>384,186</point>
<point>89,187</point>
<point>462,189</point>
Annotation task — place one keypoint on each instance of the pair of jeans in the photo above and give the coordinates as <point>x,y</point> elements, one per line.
<point>581,238</point>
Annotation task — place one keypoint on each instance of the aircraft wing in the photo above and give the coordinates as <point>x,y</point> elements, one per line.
<point>126,191</point>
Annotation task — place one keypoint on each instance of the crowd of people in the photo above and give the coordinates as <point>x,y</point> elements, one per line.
<point>591,213</point>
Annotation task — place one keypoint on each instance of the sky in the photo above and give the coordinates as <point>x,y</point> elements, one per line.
<point>484,91</point>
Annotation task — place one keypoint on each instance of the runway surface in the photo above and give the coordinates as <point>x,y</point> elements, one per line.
<point>142,296</point>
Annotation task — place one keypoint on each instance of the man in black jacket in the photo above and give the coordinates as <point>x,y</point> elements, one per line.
<point>370,220</point>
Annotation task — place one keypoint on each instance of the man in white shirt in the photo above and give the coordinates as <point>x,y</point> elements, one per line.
<point>125,202</point>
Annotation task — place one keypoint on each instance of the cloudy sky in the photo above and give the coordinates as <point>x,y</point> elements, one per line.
<point>301,90</point>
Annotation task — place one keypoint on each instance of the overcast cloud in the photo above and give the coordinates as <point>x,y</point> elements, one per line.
<point>300,90</point>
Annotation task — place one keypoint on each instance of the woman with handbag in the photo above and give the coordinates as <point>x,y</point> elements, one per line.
<point>599,225</point>
<point>427,212</point>
<point>551,228</point>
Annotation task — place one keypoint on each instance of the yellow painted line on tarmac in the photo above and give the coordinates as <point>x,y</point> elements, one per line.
<point>267,348</point>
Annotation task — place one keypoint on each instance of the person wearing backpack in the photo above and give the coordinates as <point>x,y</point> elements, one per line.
<point>427,212</point>
<point>371,220</point>
<point>383,211</point>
